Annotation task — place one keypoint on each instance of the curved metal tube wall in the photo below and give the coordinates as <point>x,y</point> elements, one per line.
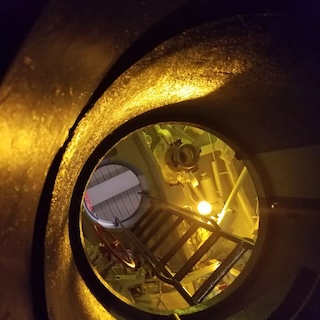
<point>252,79</point>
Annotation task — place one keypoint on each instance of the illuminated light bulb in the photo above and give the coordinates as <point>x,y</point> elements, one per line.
<point>204,207</point>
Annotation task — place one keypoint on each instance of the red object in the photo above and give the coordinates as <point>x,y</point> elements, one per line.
<point>87,202</point>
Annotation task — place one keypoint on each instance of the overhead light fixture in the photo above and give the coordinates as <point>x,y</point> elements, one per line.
<point>204,207</point>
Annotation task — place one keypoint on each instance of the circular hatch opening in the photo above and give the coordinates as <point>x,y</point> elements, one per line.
<point>170,219</point>
<point>114,191</point>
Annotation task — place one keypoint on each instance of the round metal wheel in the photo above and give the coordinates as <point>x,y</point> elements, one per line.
<point>114,247</point>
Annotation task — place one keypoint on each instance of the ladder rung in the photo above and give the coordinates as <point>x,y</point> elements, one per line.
<point>143,217</point>
<point>219,273</point>
<point>155,228</point>
<point>196,257</point>
<point>175,248</point>
<point>159,269</point>
<point>146,223</point>
<point>166,234</point>
<point>184,293</point>
<point>187,215</point>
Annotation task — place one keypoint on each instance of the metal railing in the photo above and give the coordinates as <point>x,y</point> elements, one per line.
<point>146,227</point>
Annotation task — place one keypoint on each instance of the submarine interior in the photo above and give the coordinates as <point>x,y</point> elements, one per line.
<point>160,160</point>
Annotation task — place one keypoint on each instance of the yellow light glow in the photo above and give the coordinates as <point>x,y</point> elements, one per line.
<point>204,207</point>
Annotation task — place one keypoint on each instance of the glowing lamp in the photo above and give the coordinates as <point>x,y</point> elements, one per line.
<point>204,207</point>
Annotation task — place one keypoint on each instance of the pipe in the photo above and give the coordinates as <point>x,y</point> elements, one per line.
<point>242,198</point>
<point>243,175</point>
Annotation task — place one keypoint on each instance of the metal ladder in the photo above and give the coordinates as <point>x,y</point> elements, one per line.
<point>157,215</point>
